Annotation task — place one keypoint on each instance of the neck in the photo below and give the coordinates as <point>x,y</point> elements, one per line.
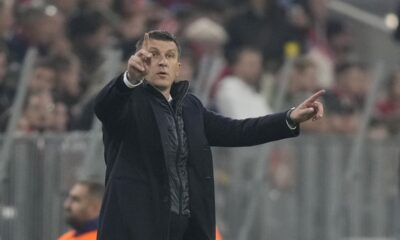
<point>85,227</point>
<point>166,94</point>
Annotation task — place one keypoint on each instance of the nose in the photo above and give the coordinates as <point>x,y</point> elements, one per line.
<point>163,62</point>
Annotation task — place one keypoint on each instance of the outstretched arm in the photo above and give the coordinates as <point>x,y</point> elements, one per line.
<point>225,132</point>
<point>222,131</point>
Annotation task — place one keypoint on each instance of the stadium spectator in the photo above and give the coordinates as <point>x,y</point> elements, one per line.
<point>238,97</point>
<point>388,108</point>
<point>38,26</point>
<point>244,82</point>
<point>303,81</point>
<point>105,7</point>
<point>345,102</point>
<point>68,75</point>
<point>126,8</point>
<point>7,88</point>
<point>335,48</point>
<point>244,29</point>
<point>340,40</point>
<point>59,121</point>
<point>206,39</point>
<point>82,209</point>
<point>43,77</point>
<point>37,114</point>
<point>7,17</point>
<point>129,31</point>
<point>90,35</point>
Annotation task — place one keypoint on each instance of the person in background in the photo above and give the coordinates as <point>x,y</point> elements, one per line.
<point>43,78</point>
<point>82,208</point>
<point>206,39</point>
<point>262,24</point>
<point>244,81</point>
<point>345,102</point>
<point>7,88</point>
<point>387,112</point>
<point>38,26</point>
<point>303,80</point>
<point>237,97</point>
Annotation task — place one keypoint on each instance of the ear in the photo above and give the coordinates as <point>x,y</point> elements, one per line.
<point>178,69</point>
<point>94,208</point>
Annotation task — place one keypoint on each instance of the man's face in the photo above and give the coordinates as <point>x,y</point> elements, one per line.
<point>79,206</point>
<point>164,65</point>
<point>43,79</point>
<point>249,66</point>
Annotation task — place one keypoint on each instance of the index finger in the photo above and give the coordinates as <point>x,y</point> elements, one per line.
<point>145,44</point>
<point>315,96</point>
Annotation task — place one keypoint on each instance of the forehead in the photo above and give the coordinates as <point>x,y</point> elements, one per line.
<point>249,54</point>
<point>162,45</point>
<point>78,190</point>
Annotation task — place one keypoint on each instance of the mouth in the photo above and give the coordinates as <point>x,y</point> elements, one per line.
<point>162,74</point>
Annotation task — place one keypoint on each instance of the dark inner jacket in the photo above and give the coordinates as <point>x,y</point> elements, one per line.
<point>169,118</point>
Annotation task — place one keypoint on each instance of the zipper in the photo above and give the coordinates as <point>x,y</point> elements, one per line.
<point>177,166</point>
<point>178,152</point>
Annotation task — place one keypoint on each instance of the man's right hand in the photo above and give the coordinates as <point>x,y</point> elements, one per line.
<point>139,63</point>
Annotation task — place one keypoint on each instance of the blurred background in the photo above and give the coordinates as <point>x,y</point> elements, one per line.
<point>339,180</point>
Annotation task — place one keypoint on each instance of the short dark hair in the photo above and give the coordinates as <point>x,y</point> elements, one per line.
<point>85,23</point>
<point>302,63</point>
<point>47,63</point>
<point>236,54</point>
<point>346,65</point>
<point>160,35</point>
<point>95,188</point>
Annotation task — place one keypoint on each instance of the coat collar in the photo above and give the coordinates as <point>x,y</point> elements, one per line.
<point>178,90</point>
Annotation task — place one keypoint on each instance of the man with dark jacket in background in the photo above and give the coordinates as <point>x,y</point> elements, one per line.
<point>82,208</point>
<point>157,138</point>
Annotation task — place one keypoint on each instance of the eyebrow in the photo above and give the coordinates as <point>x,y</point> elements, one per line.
<point>169,50</point>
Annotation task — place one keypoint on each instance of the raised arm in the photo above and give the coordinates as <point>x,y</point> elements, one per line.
<point>111,102</point>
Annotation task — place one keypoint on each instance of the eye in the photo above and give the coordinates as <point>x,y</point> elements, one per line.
<point>155,54</point>
<point>170,55</point>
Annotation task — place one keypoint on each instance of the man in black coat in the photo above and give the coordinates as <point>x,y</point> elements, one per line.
<point>157,138</point>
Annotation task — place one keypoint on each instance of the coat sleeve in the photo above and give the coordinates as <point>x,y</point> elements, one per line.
<point>225,132</point>
<point>111,102</point>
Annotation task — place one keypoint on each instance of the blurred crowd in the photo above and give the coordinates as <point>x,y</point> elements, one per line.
<point>237,54</point>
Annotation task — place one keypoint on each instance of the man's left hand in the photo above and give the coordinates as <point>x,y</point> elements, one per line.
<point>309,109</point>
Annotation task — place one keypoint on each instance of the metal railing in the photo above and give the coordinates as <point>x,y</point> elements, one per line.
<point>310,202</point>
<point>302,189</point>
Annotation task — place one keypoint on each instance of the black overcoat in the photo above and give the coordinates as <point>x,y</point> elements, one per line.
<point>136,201</point>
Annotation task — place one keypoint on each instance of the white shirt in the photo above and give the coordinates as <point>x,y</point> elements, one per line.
<point>237,99</point>
<point>130,85</point>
